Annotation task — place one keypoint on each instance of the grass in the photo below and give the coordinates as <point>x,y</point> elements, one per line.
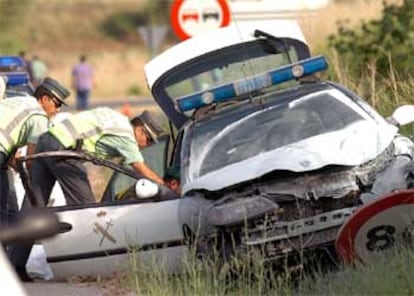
<point>389,274</point>
<point>383,93</point>
<point>243,277</point>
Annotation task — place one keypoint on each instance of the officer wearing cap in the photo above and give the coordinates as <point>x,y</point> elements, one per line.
<point>146,129</point>
<point>23,120</point>
<point>172,178</point>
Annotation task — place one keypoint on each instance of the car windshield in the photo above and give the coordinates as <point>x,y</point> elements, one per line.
<point>225,140</point>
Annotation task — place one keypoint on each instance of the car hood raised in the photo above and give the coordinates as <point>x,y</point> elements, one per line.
<point>352,146</point>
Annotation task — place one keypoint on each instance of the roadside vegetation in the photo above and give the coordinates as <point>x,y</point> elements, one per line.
<point>375,58</point>
<point>386,274</point>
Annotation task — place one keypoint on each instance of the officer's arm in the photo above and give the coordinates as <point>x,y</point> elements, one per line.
<point>147,172</point>
<point>31,148</point>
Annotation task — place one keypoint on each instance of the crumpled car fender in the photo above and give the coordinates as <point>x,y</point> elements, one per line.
<point>395,177</point>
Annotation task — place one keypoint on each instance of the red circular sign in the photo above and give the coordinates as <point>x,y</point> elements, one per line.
<point>376,226</point>
<point>194,17</point>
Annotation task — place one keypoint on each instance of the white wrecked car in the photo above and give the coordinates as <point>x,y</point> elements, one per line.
<point>271,157</point>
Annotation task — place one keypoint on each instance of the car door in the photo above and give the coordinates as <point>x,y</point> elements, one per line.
<point>98,239</point>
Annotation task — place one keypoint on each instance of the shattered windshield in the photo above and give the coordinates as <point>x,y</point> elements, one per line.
<point>225,140</point>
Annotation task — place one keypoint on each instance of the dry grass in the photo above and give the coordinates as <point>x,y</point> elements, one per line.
<point>62,30</point>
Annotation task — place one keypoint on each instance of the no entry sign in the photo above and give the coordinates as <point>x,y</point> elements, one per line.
<point>194,17</point>
<point>378,226</point>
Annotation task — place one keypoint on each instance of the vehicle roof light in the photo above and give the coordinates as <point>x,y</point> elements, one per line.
<point>298,71</point>
<point>244,86</point>
<point>12,64</point>
<point>16,78</point>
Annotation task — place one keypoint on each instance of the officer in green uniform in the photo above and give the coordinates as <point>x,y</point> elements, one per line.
<point>101,131</point>
<point>23,120</point>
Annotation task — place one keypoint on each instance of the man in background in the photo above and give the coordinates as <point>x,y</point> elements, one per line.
<point>39,70</point>
<point>82,81</point>
<point>27,62</point>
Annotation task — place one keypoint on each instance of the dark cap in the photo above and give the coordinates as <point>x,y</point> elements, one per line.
<point>55,89</point>
<point>149,123</point>
<point>172,172</point>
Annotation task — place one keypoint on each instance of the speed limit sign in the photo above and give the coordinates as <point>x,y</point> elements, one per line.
<point>381,225</point>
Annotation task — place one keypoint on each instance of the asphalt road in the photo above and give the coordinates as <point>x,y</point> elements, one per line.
<point>118,102</point>
<point>62,289</point>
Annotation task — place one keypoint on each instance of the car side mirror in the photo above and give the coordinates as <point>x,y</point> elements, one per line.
<point>145,188</point>
<point>402,115</point>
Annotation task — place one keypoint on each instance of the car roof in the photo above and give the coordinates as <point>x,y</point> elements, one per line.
<point>234,34</point>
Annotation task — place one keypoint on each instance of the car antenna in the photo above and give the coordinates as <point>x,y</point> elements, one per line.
<point>259,33</point>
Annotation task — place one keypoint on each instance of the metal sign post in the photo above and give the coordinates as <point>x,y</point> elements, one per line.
<point>153,36</point>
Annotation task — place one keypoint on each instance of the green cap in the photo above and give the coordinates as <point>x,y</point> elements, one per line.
<point>172,172</point>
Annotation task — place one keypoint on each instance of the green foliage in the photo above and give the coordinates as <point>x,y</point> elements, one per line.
<point>11,13</point>
<point>158,11</point>
<point>123,25</point>
<point>9,45</point>
<point>384,93</point>
<point>386,43</point>
<point>134,89</point>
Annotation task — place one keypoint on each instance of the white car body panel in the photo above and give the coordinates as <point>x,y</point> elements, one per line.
<point>234,34</point>
<point>353,145</point>
<point>350,147</point>
<point>86,250</point>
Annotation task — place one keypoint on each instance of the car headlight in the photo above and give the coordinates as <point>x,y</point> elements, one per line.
<point>239,210</point>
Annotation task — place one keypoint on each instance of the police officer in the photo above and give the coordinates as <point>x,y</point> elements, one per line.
<point>23,119</point>
<point>102,131</point>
